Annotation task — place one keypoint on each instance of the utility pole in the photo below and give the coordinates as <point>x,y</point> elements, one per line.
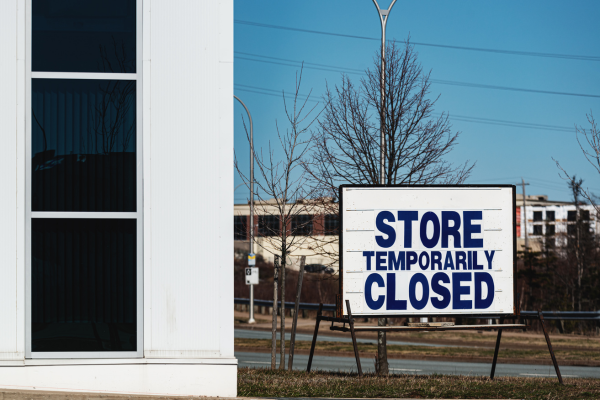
<point>382,362</point>
<point>523,184</point>
<point>251,244</point>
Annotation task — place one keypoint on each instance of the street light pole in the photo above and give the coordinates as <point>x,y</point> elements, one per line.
<point>383,17</point>
<point>251,247</point>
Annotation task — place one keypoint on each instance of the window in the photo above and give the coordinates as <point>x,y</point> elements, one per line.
<point>332,225</point>
<point>550,216</point>
<point>537,229</point>
<point>537,216</point>
<point>571,229</point>
<point>550,230</point>
<point>302,225</point>
<point>585,215</point>
<point>84,186</point>
<point>240,227</point>
<point>83,285</point>
<point>84,36</point>
<point>268,225</point>
<point>83,145</point>
<point>572,215</point>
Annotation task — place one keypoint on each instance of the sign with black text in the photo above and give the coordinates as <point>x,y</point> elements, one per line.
<point>428,249</point>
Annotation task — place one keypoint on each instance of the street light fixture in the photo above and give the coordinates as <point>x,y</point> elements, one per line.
<point>251,247</point>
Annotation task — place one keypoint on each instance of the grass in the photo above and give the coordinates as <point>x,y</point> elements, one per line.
<point>419,351</point>
<point>531,338</point>
<point>267,383</point>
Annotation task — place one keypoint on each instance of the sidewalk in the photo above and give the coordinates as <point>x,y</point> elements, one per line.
<point>6,394</point>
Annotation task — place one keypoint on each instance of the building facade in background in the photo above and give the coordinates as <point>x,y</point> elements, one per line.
<point>116,275</point>
<point>550,221</point>
<point>315,224</point>
<point>546,220</point>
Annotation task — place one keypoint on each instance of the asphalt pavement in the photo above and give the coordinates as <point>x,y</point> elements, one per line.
<point>348,364</point>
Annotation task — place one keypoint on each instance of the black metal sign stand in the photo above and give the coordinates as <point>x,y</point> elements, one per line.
<point>353,329</point>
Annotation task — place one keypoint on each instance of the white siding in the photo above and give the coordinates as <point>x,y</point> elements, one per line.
<point>189,179</point>
<point>9,93</point>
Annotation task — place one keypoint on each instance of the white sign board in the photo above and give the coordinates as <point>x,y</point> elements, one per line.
<point>252,276</point>
<point>428,250</point>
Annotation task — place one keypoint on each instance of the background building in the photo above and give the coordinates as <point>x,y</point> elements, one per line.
<point>116,118</point>
<point>320,232</point>
<point>546,220</point>
<point>550,220</point>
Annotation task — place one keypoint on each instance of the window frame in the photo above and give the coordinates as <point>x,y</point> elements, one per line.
<point>137,215</point>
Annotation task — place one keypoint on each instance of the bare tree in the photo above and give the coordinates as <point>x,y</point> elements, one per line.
<point>282,193</point>
<point>589,142</point>
<point>347,145</point>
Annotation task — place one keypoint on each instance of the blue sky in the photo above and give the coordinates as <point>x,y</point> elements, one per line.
<point>504,153</point>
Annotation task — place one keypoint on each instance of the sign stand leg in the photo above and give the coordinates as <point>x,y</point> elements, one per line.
<point>541,318</point>
<point>351,323</point>
<point>497,349</point>
<point>314,341</point>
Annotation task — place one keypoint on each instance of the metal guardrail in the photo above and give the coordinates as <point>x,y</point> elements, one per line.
<point>566,315</point>
<point>288,304</point>
<point>549,315</point>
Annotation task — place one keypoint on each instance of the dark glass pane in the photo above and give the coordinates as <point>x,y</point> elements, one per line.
<point>83,285</point>
<point>550,215</point>
<point>571,215</point>
<point>585,215</point>
<point>302,225</point>
<point>537,216</point>
<point>83,36</point>
<point>332,225</point>
<point>268,225</point>
<point>240,227</point>
<point>550,230</point>
<point>537,229</point>
<point>83,145</point>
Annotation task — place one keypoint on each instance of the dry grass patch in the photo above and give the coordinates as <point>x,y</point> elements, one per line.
<point>508,337</point>
<point>418,351</point>
<point>267,383</point>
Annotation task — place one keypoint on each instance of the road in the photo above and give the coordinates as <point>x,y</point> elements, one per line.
<point>252,334</point>
<point>348,364</point>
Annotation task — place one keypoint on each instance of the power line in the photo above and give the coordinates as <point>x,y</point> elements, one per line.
<point>271,92</point>
<point>479,49</point>
<point>478,85</point>
<point>332,68</point>
<point>462,118</point>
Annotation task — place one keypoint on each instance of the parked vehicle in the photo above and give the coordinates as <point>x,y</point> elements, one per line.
<point>318,268</point>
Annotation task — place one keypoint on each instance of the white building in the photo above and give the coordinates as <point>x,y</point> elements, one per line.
<point>550,220</point>
<point>116,120</point>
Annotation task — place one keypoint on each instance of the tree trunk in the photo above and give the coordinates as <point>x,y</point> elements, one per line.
<point>382,360</point>
<point>274,314</point>
<point>282,333</point>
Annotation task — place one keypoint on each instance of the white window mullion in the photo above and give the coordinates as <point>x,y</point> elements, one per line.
<point>84,75</point>
<point>84,215</point>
